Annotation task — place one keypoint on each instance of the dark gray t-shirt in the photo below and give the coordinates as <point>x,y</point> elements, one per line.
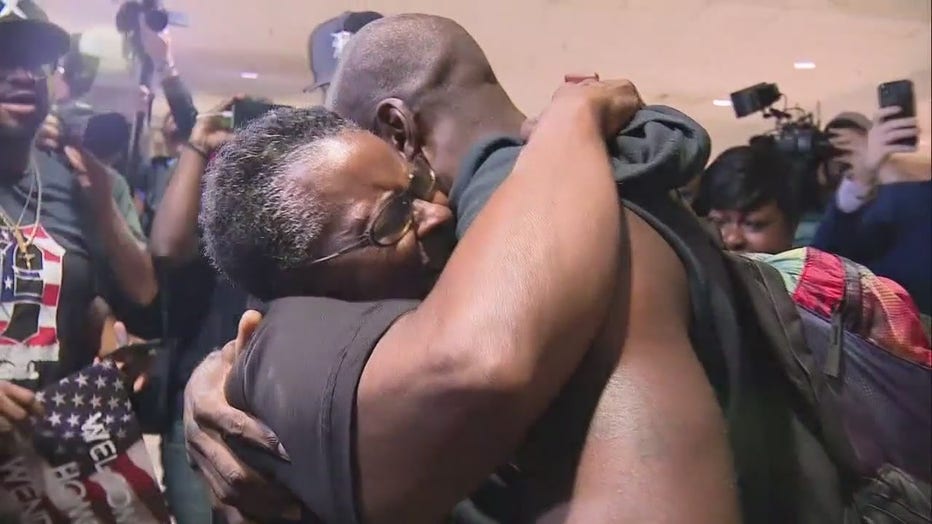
<point>45,294</point>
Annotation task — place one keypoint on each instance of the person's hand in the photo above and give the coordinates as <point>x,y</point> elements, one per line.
<point>209,418</point>
<point>158,47</point>
<point>852,155</point>
<point>881,139</point>
<point>16,405</point>
<point>134,364</point>
<point>614,102</point>
<point>212,130</point>
<point>93,176</point>
<point>49,136</point>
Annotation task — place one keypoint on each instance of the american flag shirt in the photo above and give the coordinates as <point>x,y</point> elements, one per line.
<point>86,461</point>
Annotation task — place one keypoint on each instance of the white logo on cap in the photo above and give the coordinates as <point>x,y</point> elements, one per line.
<point>339,41</point>
<point>12,8</point>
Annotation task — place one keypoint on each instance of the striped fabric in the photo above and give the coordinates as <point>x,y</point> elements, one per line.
<point>889,317</point>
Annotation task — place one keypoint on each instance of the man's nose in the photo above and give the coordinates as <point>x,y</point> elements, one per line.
<point>428,216</point>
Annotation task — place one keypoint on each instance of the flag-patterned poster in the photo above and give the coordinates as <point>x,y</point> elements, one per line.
<point>84,461</point>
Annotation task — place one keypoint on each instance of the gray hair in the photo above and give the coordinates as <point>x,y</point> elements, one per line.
<point>259,220</point>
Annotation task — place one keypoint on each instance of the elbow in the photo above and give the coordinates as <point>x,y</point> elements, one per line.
<point>483,379</point>
<point>168,251</point>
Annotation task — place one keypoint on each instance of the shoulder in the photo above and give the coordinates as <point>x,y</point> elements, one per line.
<point>299,375</point>
<point>305,341</point>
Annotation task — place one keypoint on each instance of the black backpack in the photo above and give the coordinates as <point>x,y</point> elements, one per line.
<point>816,416</point>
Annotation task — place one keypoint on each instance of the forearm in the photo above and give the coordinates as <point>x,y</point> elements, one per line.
<point>174,228</point>
<point>180,102</point>
<point>128,258</point>
<point>530,284</point>
<point>537,268</point>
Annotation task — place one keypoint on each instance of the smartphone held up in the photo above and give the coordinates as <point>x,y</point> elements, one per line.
<point>899,93</point>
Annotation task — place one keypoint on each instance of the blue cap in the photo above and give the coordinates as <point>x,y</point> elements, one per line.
<point>327,41</point>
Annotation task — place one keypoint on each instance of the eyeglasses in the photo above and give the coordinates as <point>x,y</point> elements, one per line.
<point>35,72</point>
<point>395,218</point>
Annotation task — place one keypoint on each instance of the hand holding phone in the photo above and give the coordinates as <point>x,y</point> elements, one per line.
<point>898,110</point>
<point>132,357</point>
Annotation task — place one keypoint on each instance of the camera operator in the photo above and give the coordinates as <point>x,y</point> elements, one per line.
<point>154,177</point>
<point>59,227</point>
<point>881,215</point>
<point>748,194</point>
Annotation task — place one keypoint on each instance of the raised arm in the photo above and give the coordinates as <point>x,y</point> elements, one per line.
<point>174,237</point>
<point>451,389</point>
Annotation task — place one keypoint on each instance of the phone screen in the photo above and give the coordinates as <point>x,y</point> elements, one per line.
<point>899,93</point>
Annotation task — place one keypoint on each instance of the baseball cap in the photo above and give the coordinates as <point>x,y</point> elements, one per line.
<point>850,120</point>
<point>26,28</point>
<point>327,40</point>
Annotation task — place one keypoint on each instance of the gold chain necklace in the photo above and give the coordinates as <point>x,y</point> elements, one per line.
<point>22,243</point>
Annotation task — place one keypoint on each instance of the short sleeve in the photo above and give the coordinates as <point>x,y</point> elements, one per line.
<point>300,376</point>
<point>124,202</point>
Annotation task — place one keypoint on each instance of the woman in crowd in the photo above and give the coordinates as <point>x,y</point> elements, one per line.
<point>747,193</point>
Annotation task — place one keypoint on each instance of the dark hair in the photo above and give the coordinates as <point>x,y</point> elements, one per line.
<point>107,134</point>
<point>259,221</point>
<point>744,178</point>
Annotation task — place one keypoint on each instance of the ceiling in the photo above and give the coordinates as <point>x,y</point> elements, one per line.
<point>682,53</point>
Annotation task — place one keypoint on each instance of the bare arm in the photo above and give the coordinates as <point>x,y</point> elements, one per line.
<point>127,257</point>
<point>452,388</point>
<point>174,236</point>
<point>174,228</point>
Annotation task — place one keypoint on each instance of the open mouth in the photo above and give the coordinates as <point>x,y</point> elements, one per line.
<point>20,98</point>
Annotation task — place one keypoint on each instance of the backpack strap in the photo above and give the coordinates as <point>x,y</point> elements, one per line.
<point>820,388</point>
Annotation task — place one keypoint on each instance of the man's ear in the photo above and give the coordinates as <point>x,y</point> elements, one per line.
<point>395,124</point>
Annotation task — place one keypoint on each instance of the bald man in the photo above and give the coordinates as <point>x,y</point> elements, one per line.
<point>634,436</point>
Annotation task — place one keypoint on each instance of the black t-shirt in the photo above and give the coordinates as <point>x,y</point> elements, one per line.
<point>299,375</point>
<point>203,312</point>
<point>303,366</point>
<point>44,314</point>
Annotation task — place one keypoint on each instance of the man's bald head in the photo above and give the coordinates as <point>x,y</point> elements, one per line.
<point>424,85</point>
<point>419,59</point>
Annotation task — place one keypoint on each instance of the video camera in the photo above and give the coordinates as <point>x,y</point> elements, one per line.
<point>799,137</point>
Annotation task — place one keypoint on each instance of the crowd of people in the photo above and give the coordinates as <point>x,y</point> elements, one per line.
<point>417,304</point>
